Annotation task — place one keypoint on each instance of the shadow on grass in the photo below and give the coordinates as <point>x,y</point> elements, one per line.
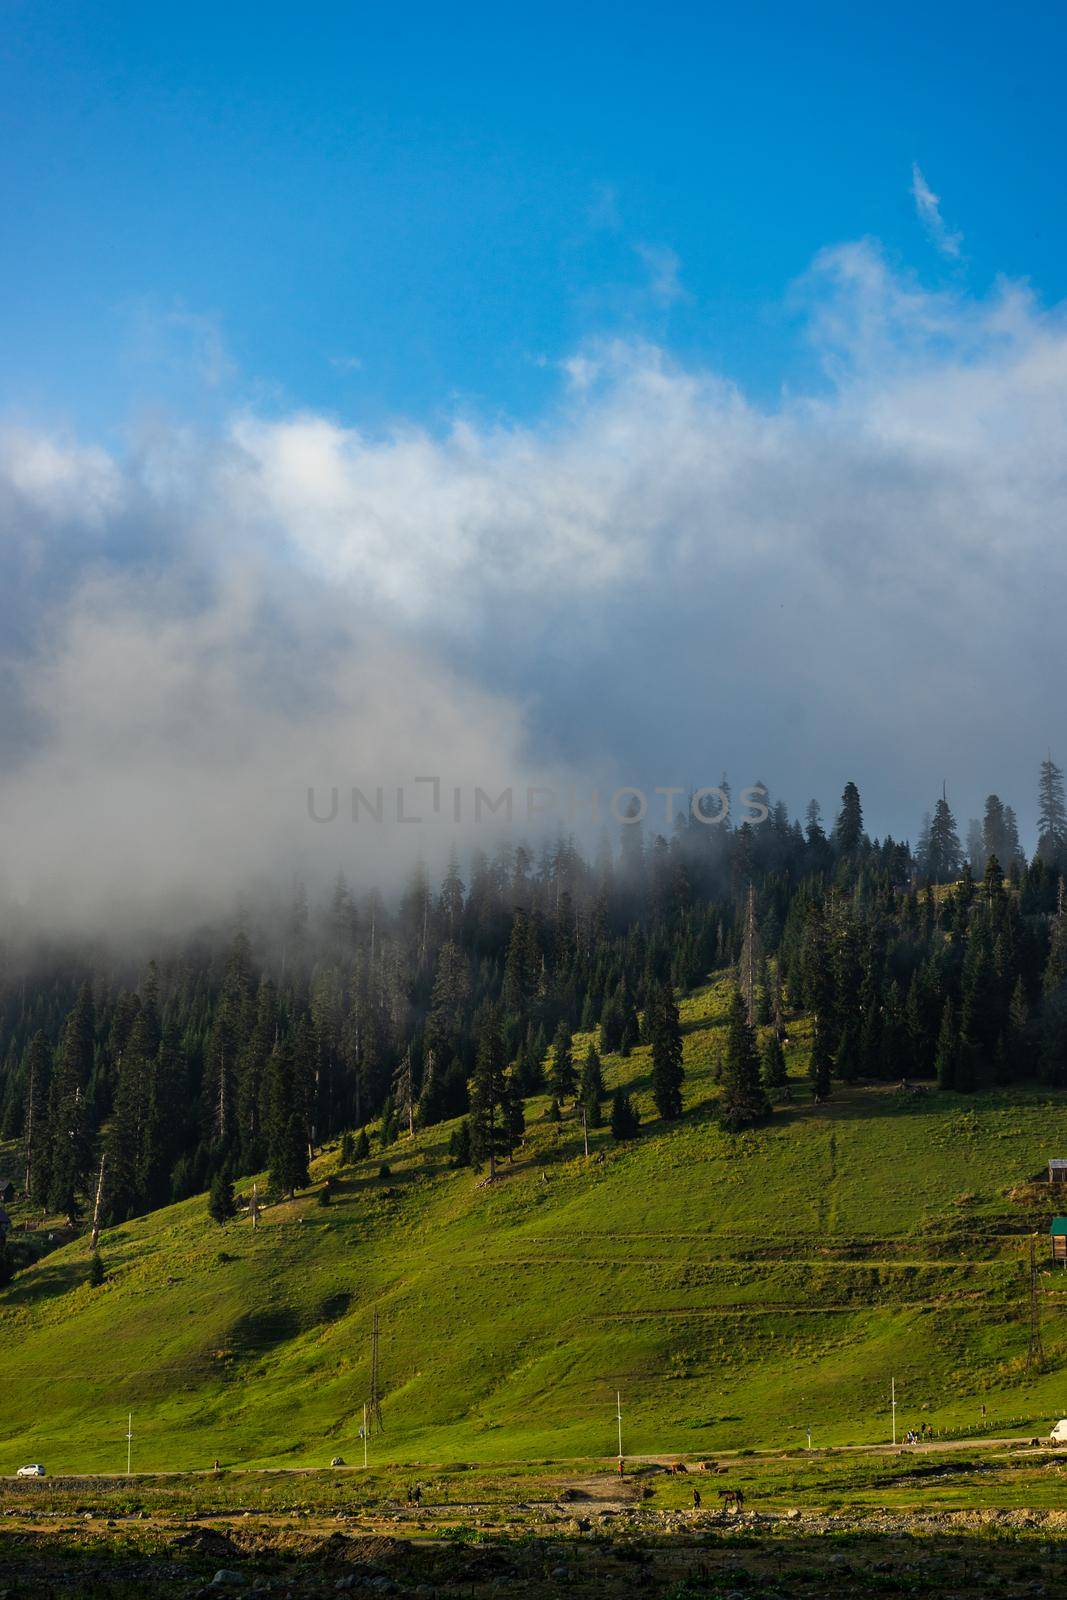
<point>45,1283</point>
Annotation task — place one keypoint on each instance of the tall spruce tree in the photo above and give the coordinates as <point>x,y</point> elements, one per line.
<point>821,1064</point>
<point>70,1114</point>
<point>848,832</point>
<point>1051,815</point>
<point>37,1072</point>
<point>944,855</point>
<point>286,1128</point>
<point>773,1073</point>
<point>665,1035</point>
<point>743,1100</point>
<point>487,1090</point>
<point>564,1078</point>
<point>946,1060</point>
<point>591,1087</point>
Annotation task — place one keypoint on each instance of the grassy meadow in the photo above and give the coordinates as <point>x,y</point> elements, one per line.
<point>736,1290</point>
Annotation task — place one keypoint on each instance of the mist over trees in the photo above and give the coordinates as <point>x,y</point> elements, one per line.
<point>245,1051</point>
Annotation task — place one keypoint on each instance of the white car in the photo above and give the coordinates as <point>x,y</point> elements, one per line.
<point>34,1470</point>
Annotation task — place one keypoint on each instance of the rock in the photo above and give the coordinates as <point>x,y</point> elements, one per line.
<point>560,1574</point>
<point>338,1461</point>
<point>226,1579</point>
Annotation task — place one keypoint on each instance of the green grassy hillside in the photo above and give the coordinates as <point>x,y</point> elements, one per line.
<point>735,1290</point>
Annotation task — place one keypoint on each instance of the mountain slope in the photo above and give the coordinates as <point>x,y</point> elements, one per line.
<point>735,1290</point>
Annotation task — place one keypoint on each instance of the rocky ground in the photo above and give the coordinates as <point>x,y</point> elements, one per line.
<point>590,1540</point>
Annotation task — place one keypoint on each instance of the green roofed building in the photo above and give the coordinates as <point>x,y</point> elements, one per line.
<point>1059,1239</point>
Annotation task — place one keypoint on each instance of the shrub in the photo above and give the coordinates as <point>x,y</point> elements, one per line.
<point>625,1122</point>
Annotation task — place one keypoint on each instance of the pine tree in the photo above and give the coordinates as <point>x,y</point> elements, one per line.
<point>450,905</point>
<point>993,884</point>
<point>625,1122</point>
<point>286,1128</point>
<point>459,1144</point>
<point>743,1100</point>
<point>564,1079</point>
<point>251,1074</point>
<point>849,829</point>
<point>1051,814</point>
<point>37,1073</point>
<point>487,1090</point>
<point>591,1087</point>
<point>513,1112</point>
<point>980,1013</point>
<point>948,1048</point>
<point>1019,1041</point>
<point>387,1126</point>
<point>221,1205</point>
<point>773,1072</point>
<point>96,1270</point>
<point>944,858</point>
<point>666,1037</point>
<point>404,1091</point>
<point>71,1153</point>
<point>448,1002</point>
<point>611,1025</point>
<point>847,1059</point>
<point>134,1132</point>
<point>226,1041</point>
<point>896,1051</point>
<point>821,1064</point>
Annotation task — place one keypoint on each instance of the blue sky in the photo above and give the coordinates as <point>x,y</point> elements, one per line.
<point>389,213</point>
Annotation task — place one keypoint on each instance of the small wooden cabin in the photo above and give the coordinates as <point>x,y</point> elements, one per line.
<point>1059,1239</point>
<point>1057,1171</point>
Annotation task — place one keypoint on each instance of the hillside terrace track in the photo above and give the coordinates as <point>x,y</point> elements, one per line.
<point>1017,1444</point>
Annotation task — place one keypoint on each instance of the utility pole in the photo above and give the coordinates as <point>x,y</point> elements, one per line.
<point>1035,1354</point>
<point>618,1415</point>
<point>129,1446</point>
<point>364,1434</point>
<point>374,1403</point>
<point>893,1405</point>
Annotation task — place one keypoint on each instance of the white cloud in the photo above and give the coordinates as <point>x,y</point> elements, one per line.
<point>928,207</point>
<point>657,578</point>
<point>664,273</point>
